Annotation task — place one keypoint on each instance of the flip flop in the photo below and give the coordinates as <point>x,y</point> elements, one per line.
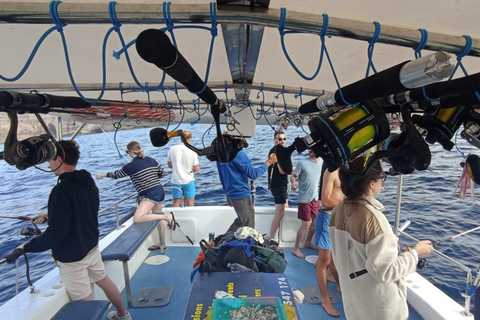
<point>173,224</point>
<point>155,247</point>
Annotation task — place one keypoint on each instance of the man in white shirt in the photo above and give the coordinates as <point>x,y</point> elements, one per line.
<point>183,162</point>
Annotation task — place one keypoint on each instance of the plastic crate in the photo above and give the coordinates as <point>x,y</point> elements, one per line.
<point>222,307</point>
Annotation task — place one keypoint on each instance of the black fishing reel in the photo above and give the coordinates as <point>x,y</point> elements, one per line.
<point>29,152</point>
<point>29,232</point>
<point>422,263</point>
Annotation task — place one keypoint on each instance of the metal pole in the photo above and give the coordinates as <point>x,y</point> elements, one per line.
<point>148,13</point>
<point>455,262</point>
<point>117,216</point>
<point>398,204</point>
<point>58,126</point>
<point>77,131</point>
<point>16,278</point>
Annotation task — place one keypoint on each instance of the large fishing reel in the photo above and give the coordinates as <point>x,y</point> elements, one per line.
<point>28,152</point>
<point>224,148</point>
<point>339,135</point>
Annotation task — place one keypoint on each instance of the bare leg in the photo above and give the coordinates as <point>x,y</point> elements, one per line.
<point>143,213</point>
<point>177,202</point>
<point>324,257</point>
<point>334,272</point>
<point>189,202</point>
<point>311,232</point>
<point>300,233</point>
<point>112,293</point>
<point>279,213</point>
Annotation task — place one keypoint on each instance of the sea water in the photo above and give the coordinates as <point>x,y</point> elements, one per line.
<point>427,200</point>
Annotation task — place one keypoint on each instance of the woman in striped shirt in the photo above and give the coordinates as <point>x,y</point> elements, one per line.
<point>145,174</point>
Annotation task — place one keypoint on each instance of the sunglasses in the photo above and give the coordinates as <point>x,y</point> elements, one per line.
<point>280,139</point>
<point>383,177</point>
<point>127,151</point>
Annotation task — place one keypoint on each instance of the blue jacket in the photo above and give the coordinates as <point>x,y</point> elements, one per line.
<point>234,176</point>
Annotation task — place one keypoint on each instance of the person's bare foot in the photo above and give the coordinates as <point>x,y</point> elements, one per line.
<point>330,310</point>
<point>310,246</point>
<point>297,253</point>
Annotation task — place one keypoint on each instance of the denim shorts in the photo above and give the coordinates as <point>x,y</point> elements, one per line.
<point>155,195</point>
<point>188,190</point>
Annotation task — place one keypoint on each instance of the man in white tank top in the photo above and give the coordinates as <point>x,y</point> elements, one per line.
<point>184,163</point>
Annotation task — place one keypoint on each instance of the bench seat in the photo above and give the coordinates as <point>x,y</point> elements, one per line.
<point>81,310</point>
<point>125,246</point>
<point>128,242</point>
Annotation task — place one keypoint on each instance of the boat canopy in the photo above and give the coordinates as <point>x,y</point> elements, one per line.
<point>262,61</point>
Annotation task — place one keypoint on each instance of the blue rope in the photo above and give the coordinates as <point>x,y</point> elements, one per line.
<point>456,146</point>
<point>113,15</point>
<point>117,127</point>
<point>281,29</point>
<point>53,8</point>
<point>299,94</point>
<point>426,96</point>
<point>421,44</point>
<point>371,46</point>
<point>167,18</point>
<point>337,82</point>
<point>30,58</point>
<point>265,115</point>
<point>460,55</point>
<point>59,27</point>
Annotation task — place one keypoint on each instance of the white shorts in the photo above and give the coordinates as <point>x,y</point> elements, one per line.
<point>77,276</point>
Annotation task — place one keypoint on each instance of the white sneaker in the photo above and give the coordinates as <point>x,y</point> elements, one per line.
<point>112,315</point>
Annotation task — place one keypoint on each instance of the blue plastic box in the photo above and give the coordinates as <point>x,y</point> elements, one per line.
<point>222,307</point>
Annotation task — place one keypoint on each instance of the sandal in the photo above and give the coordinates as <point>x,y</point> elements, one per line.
<point>156,247</point>
<point>173,224</point>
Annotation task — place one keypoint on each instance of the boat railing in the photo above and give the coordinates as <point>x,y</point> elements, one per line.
<point>115,205</point>
<point>473,276</point>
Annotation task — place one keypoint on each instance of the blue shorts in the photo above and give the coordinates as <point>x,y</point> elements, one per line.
<point>188,190</point>
<point>155,195</point>
<point>322,235</point>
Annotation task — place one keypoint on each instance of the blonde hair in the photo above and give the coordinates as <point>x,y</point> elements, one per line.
<point>187,134</point>
<point>136,149</point>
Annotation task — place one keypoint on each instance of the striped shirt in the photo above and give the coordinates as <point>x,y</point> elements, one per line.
<point>144,173</point>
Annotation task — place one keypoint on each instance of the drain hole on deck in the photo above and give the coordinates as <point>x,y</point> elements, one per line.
<point>159,300</point>
<point>143,301</point>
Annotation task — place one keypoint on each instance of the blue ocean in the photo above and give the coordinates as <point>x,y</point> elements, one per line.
<point>427,200</point>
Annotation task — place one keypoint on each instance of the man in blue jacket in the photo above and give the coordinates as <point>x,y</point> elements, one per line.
<point>72,233</point>
<point>234,176</point>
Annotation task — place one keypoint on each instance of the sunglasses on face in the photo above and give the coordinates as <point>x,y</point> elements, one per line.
<point>282,139</point>
<point>127,151</point>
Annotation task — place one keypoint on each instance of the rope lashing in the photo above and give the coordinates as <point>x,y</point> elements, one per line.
<point>460,55</point>
<point>371,46</point>
<point>282,32</point>
<point>423,42</point>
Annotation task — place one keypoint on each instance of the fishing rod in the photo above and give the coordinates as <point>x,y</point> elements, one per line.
<point>457,235</point>
<point>23,218</point>
<point>26,232</point>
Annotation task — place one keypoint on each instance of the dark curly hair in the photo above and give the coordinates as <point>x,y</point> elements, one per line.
<point>359,187</point>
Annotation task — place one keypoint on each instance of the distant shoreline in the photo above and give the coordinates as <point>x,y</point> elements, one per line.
<point>28,126</point>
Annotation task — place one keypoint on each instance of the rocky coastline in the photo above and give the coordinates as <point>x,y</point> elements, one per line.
<point>28,126</point>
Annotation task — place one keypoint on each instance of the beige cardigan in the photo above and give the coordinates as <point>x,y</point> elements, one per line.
<point>362,238</point>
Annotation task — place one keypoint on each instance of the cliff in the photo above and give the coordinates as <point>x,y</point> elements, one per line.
<point>28,126</point>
